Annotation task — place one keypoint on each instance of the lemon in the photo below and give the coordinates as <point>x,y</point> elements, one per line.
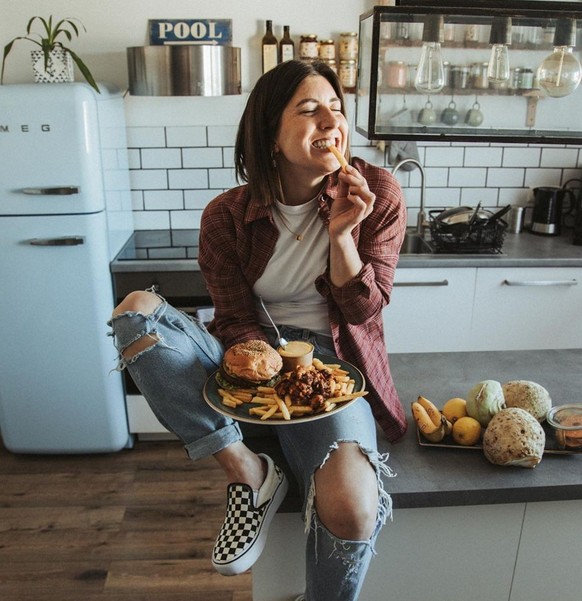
<point>454,409</point>
<point>466,431</point>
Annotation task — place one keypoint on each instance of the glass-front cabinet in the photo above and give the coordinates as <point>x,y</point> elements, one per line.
<point>490,71</point>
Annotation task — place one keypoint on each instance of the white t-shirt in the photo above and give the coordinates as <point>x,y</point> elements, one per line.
<point>288,284</point>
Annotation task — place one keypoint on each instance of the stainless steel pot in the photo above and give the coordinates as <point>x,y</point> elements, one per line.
<point>184,70</point>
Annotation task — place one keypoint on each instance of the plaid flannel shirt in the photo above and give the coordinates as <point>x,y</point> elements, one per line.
<point>237,240</point>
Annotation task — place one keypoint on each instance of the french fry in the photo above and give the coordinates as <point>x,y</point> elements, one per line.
<point>339,156</point>
<point>267,389</point>
<point>229,403</point>
<point>284,409</point>
<point>270,412</point>
<point>348,397</point>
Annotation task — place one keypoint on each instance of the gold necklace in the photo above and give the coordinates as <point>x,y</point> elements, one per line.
<point>298,235</point>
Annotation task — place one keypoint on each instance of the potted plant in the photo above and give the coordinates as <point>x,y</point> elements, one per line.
<point>53,62</point>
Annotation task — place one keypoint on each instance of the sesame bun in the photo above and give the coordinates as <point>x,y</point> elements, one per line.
<point>252,361</point>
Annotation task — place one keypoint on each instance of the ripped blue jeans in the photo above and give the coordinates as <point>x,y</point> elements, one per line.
<point>171,374</point>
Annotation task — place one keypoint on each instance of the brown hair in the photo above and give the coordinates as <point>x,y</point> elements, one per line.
<point>253,152</point>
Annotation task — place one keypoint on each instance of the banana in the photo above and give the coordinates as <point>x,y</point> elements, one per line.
<point>432,410</point>
<point>422,419</point>
<point>447,425</point>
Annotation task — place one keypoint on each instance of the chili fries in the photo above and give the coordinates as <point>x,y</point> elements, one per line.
<point>267,404</point>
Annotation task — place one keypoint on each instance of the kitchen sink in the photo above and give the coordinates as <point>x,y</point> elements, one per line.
<point>415,244</point>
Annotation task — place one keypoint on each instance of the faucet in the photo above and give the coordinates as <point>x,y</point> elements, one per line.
<point>421,215</point>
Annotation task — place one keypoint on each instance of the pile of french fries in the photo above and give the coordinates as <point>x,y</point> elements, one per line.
<point>267,404</point>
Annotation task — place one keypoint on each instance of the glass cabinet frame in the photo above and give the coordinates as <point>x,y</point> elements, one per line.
<point>388,106</point>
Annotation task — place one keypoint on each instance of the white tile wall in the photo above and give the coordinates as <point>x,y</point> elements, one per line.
<point>176,170</point>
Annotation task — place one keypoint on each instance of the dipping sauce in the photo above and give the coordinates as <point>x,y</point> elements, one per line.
<point>297,352</point>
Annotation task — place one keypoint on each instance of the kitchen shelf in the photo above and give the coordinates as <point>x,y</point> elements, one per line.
<point>511,114</point>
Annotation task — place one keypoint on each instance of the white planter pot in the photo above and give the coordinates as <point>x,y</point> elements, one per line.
<point>59,67</point>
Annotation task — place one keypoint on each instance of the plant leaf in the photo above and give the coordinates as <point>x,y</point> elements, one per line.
<point>84,70</point>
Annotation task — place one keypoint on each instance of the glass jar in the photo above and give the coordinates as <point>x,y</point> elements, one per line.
<point>515,78</point>
<point>327,49</point>
<point>396,75</point>
<point>479,77</point>
<point>526,81</point>
<point>348,72</point>
<point>308,46</point>
<point>348,46</point>
<point>460,77</point>
<point>330,62</point>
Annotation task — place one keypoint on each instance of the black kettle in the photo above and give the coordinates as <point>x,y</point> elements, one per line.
<point>549,209</point>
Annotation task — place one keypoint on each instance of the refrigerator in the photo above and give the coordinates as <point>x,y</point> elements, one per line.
<point>65,212</point>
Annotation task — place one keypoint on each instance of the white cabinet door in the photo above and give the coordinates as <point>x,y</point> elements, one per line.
<point>548,560</point>
<point>527,308</point>
<point>430,310</point>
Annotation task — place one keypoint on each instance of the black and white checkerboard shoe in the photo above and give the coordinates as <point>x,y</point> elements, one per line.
<point>243,534</point>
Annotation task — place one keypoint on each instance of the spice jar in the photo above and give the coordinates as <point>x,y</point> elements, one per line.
<point>348,74</point>
<point>479,77</point>
<point>526,81</point>
<point>396,74</point>
<point>308,46</point>
<point>327,50</point>
<point>348,46</point>
<point>460,77</point>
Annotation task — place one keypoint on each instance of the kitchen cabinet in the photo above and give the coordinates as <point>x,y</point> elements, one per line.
<point>527,308</point>
<point>519,107</point>
<point>430,310</point>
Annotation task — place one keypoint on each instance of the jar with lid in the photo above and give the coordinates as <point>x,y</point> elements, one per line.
<point>348,46</point>
<point>526,81</point>
<point>515,78</point>
<point>330,62</point>
<point>348,71</point>
<point>327,50</point>
<point>308,46</point>
<point>460,77</point>
<point>395,74</point>
<point>479,78</point>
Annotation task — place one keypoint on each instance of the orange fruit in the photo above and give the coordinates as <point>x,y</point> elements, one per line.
<point>454,409</point>
<point>466,431</point>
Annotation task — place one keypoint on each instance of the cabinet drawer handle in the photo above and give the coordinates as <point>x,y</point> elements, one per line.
<point>539,283</point>
<point>55,191</point>
<point>64,241</point>
<point>410,284</point>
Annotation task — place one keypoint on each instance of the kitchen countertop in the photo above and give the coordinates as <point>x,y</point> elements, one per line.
<point>438,476</point>
<point>176,250</point>
<point>429,476</point>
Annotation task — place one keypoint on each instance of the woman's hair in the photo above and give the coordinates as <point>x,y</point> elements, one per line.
<point>255,140</point>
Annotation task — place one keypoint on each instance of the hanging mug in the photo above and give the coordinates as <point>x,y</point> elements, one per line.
<point>474,116</point>
<point>427,115</point>
<point>450,116</point>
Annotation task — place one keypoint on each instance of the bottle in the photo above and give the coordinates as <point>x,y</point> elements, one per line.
<point>269,48</point>
<point>286,46</point>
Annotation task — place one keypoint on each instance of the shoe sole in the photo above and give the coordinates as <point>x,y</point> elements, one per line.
<point>252,554</point>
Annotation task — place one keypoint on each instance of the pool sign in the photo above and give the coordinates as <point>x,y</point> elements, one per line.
<point>190,31</point>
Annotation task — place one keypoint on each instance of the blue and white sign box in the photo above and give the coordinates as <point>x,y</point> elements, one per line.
<point>190,31</point>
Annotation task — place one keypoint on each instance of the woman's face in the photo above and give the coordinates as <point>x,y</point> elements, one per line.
<point>312,119</point>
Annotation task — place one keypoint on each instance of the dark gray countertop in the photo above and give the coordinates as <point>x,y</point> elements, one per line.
<point>430,476</point>
<point>440,476</point>
<point>519,250</point>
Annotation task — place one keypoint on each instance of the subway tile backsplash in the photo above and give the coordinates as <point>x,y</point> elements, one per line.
<point>176,170</point>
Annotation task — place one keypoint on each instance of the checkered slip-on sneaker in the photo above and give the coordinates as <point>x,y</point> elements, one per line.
<point>242,537</point>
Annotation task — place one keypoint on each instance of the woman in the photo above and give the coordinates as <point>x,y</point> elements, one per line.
<point>318,246</point>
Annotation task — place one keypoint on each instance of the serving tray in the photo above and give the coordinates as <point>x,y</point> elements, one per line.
<point>447,442</point>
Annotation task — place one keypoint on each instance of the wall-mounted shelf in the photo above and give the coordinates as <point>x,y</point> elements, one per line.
<point>512,113</point>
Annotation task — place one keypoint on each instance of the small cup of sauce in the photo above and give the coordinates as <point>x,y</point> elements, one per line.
<point>296,352</point>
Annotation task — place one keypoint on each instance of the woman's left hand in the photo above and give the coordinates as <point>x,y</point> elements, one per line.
<point>353,204</point>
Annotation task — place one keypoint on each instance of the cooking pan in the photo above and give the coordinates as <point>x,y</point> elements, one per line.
<point>470,216</point>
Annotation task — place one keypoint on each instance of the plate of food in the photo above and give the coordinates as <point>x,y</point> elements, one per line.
<point>251,387</point>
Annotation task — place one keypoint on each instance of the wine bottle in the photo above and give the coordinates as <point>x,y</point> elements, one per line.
<point>269,48</point>
<point>286,46</point>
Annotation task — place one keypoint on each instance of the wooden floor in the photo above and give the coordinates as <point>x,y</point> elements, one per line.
<point>137,525</point>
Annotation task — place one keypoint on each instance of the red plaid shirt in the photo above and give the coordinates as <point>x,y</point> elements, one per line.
<point>237,239</point>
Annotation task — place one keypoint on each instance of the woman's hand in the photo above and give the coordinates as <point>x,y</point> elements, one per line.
<point>353,204</point>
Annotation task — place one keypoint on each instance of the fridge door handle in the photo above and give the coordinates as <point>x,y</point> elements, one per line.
<point>54,191</point>
<point>62,241</point>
